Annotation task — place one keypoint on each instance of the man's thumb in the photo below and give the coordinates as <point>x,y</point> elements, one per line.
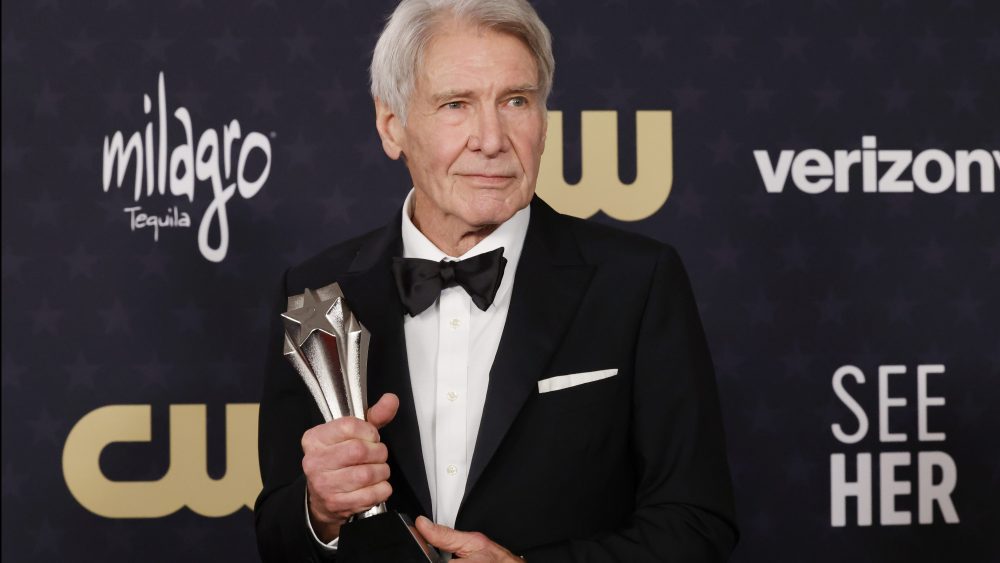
<point>441,537</point>
<point>382,412</point>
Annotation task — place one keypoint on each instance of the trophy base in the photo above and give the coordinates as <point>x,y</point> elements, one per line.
<point>386,538</point>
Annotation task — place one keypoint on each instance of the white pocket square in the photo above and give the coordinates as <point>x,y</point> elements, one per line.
<point>563,381</point>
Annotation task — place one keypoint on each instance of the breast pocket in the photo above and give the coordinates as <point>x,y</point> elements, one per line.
<point>577,390</point>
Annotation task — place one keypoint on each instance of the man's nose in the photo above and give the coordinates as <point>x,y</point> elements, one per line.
<point>489,135</point>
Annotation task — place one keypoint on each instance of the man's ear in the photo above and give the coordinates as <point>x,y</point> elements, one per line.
<point>390,129</point>
<point>545,128</point>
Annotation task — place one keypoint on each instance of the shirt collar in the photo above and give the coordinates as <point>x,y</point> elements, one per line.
<point>509,235</point>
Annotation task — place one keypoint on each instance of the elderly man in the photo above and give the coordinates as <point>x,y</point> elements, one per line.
<point>545,387</point>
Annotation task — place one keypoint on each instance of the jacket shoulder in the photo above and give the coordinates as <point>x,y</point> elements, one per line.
<point>600,243</point>
<point>329,265</point>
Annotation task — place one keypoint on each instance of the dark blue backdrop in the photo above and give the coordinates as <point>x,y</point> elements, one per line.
<point>791,286</point>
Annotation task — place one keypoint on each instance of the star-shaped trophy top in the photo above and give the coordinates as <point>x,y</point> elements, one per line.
<point>312,316</point>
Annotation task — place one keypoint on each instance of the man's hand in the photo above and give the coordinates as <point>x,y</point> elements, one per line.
<point>345,467</point>
<point>471,546</point>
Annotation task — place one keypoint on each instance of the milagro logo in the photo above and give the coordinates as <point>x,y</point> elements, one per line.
<point>932,171</point>
<point>210,159</point>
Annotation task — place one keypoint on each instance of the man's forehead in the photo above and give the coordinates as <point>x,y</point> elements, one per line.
<point>468,58</point>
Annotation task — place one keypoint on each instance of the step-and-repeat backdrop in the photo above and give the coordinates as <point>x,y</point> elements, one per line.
<point>827,169</point>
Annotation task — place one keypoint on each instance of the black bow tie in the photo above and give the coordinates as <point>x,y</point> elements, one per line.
<point>420,281</point>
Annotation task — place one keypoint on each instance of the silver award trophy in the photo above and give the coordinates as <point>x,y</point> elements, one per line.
<point>328,347</point>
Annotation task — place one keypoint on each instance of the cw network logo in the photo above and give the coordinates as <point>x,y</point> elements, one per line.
<point>931,171</point>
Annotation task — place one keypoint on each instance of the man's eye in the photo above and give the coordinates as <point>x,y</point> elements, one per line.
<point>518,101</point>
<point>453,105</point>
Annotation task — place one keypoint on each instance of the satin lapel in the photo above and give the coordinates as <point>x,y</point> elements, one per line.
<point>371,294</point>
<point>551,279</point>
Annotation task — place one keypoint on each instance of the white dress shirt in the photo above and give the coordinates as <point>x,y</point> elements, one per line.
<point>450,348</point>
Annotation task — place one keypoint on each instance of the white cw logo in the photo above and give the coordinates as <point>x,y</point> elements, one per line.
<point>210,159</point>
<point>932,171</point>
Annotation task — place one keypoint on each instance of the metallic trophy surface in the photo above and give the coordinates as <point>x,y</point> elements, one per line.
<point>328,347</point>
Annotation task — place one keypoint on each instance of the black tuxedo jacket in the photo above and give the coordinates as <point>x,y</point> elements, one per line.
<point>629,468</point>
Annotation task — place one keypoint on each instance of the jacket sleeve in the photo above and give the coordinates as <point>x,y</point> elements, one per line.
<point>684,502</point>
<point>286,412</point>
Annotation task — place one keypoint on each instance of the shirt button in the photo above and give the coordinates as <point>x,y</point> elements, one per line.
<point>455,323</point>
<point>452,470</point>
<point>452,396</point>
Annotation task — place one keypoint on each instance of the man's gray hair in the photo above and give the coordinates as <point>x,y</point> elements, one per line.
<point>399,51</point>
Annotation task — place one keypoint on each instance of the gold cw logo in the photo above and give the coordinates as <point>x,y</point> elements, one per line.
<point>186,482</point>
<point>600,188</point>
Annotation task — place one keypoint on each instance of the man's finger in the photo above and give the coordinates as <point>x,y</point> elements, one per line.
<point>382,412</point>
<point>447,539</point>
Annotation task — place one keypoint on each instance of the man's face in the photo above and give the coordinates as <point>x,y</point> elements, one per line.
<point>475,127</point>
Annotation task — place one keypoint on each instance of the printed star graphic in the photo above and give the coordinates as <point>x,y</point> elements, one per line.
<point>832,309</point>
<point>300,46</point>
<point>688,201</point>
<point>154,47</point>
<point>900,308</point>
<point>862,45</point>
<point>153,372</point>
<point>964,98</point>
<point>994,253</point>
<point>190,318</point>
<point>301,152</point>
<point>930,46</point>
<point>82,155</point>
<point>154,263</point>
<point>47,101</point>
<point>990,44</point>
<point>758,98</point>
<point>81,262</point>
<point>118,100</point>
<point>827,97</point>
<point>83,48</point>
<point>724,149</point>
<point>967,308</point>
<point>726,256</point>
<point>11,372</point>
<point>11,481</point>
<point>115,318</point>
<point>896,97</point>
<point>652,43</point>
<point>617,95</point>
<point>12,155</point>
<point>793,45</point>
<point>193,97</point>
<point>81,372</point>
<point>311,316</point>
<point>337,98</point>
<point>263,98</point>
<point>723,44</point>
<point>796,362</point>
<point>45,318</point>
<point>47,538</point>
<point>794,255</point>
<point>761,310</point>
<point>44,209</point>
<point>581,44</point>
<point>13,49</point>
<point>227,46</point>
<point>338,207</point>
<point>688,97</point>
<point>12,263</point>
<point>44,427</point>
